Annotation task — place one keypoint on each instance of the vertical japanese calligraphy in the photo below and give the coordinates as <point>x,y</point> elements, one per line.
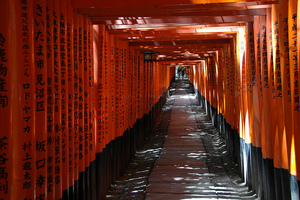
<point>112,85</point>
<point>6,106</point>
<point>291,46</point>
<point>261,102</point>
<point>140,84</point>
<point>70,94</point>
<point>117,89</point>
<point>99,34</point>
<point>76,96</point>
<point>24,131</point>
<point>64,94</point>
<point>40,96</point>
<point>293,23</point>
<point>73,91</point>
<point>57,100</point>
<point>50,102</point>
<point>86,91</point>
<point>92,136</point>
<point>81,133</point>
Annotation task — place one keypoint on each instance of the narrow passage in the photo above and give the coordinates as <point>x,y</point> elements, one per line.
<point>184,157</point>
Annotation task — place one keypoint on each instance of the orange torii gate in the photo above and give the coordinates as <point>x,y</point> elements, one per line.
<point>76,97</point>
<point>71,101</point>
<point>259,108</point>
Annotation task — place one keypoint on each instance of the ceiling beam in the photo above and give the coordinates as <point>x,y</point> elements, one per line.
<point>171,21</point>
<point>184,42</point>
<point>157,3</point>
<point>144,14</point>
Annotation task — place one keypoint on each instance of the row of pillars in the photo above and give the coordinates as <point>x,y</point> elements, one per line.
<point>250,88</point>
<point>75,102</point>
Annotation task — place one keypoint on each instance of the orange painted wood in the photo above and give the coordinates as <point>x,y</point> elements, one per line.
<point>268,91</point>
<point>296,96</point>
<point>133,3</point>
<point>58,101</point>
<point>219,74</point>
<point>40,63</point>
<point>118,88</point>
<point>71,92</point>
<point>108,83</point>
<point>147,86</point>
<point>277,60</point>
<point>243,103</point>
<point>264,82</point>
<point>92,110</point>
<point>123,82</point>
<point>64,95</point>
<point>98,52</point>
<point>105,85</point>
<point>250,73</point>
<point>23,99</point>
<point>112,86</point>
<point>227,85</point>
<point>6,100</point>
<point>163,12</point>
<point>86,104</point>
<point>140,85</point>
<point>131,92</point>
<point>257,86</point>
<point>126,86</point>
<point>76,95</point>
<point>50,103</point>
<point>289,94</point>
<point>136,84</point>
<point>81,81</point>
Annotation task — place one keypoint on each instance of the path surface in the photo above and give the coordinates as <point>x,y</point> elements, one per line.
<point>184,158</point>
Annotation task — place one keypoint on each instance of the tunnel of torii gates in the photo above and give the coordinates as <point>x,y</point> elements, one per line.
<point>77,97</point>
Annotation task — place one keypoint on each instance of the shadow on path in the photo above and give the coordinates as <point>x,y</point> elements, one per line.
<point>184,157</point>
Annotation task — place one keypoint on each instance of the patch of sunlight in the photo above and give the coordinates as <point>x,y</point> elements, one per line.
<point>293,158</point>
<point>178,178</point>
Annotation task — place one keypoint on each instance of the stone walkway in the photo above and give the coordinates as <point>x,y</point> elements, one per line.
<point>184,158</point>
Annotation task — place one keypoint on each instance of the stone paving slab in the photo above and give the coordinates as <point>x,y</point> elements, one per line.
<point>176,126</point>
<point>180,187</point>
<point>196,179</point>
<point>193,153</point>
<point>180,162</point>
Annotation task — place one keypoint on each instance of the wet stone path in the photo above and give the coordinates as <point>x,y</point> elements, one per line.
<point>184,157</point>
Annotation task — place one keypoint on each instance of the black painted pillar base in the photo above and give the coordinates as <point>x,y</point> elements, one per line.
<point>268,174</point>
<point>66,193</point>
<point>93,182</point>
<point>87,182</point>
<point>109,164</point>
<point>254,170</point>
<point>81,185</point>
<point>260,164</point>
<point>278,183</point>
